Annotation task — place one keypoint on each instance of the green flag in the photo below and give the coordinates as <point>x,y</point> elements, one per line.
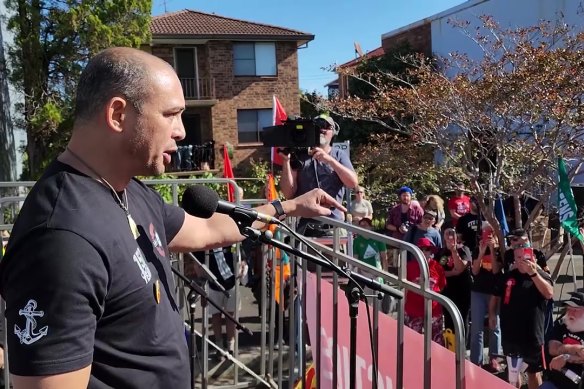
<point>566,204</point>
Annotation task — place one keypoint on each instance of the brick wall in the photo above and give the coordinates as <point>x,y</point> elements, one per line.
<point>419,38</point>
<point>235,93</point>
<point>215,60</point>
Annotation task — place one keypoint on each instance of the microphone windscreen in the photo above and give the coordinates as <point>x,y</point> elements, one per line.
<point>200,201</point>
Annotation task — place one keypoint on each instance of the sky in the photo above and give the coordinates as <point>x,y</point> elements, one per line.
<point>335,24</point>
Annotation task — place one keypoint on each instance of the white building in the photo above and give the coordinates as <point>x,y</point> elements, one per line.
<point>12,138</point>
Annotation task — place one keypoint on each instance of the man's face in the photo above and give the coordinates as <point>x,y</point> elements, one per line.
<point>405,198</point>
<point>428,220</point>
<point>153,133</point>
<point>326,135</point>
<point>574,319</point>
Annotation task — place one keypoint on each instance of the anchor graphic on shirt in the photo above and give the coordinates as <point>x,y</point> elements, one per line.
<point>27,335</point>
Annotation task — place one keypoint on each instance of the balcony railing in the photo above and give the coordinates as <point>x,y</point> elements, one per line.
<point>198,88</point>
<point>194,157</point>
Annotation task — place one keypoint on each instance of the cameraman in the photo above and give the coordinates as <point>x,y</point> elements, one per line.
<point>322,167</point>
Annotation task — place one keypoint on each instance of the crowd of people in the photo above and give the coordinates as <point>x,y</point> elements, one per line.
<point>503,290</point>
<point>87,280</point>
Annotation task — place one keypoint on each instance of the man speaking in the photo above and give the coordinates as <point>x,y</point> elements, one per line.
<point>86,276</point>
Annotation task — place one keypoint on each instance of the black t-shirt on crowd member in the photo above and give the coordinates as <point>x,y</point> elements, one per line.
<point>522,310</point>
<point>484,281</point>
<point>562,335</point>
<point>468,226</point>
<point>457,286</point>
<point>510,259</point>
<point>98,295</point>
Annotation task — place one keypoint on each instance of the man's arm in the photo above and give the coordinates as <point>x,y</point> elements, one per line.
<point>288,180</point>
<point>220,230</point>
<point>78,379</point>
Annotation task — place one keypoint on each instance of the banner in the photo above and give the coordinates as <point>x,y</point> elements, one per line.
<point>228,173</point>
<point>443,361</point>
<point>278,117</point>
<point>566,204</point>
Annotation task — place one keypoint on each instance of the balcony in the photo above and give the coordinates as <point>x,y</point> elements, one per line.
<point>198,88</point>
<point>189,158</point>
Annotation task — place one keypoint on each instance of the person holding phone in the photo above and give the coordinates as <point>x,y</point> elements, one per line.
<point>520,296</point>
<point>519,239</point>
<point>485,267</point>
<point>455,260</point>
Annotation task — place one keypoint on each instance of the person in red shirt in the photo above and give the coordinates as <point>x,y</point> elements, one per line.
<point>459,204</point>
<point>414,305</point>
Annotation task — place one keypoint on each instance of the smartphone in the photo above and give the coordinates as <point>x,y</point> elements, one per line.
<point>486,234</point>
<point>528,254</point>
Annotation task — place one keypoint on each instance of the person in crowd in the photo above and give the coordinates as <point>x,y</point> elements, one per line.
<point>324,167</point>
<point>404,215</point>
<point>458,204</point>
<point>521,296</point>
<point>468,226</point>
<point>86,277</point>
<point>519,238</point>
<point>566,347</point>
<point>455,260</point>
<point>367,250</point>
<point>5,236</point>
<point>414,305</point>
<point>486,265</point>
<point>227,271</point>
<point>425,230</point>
<point>435,203</point>
<point>361,207</point>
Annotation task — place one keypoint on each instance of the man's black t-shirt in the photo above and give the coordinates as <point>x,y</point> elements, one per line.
<point>81,290</point>
<point>484,281</point>
<point>458,286</point>
<point>468,226</point>
<point>562,335</point>
<point>523,310</point>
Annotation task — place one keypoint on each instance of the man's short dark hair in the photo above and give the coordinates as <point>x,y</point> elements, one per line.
<point>112,73</point>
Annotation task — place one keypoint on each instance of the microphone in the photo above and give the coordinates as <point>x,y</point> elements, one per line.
<point>203,202</point>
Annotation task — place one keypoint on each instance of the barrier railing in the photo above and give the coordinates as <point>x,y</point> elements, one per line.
<point>339,249</point>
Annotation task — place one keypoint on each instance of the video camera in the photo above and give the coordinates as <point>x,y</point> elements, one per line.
<point>294,133</point>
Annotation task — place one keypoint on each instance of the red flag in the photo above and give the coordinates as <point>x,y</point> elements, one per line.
<point>228,173</point>
<point>278,117</point>
<point>272,193</point>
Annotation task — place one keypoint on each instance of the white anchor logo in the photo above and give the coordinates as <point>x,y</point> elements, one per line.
<point>27,335</point>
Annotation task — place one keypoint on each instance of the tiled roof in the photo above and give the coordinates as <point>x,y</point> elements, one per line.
<point>378,52</point>
<point>195,24</point>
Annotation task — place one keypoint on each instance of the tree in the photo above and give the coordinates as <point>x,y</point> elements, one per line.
<point>502,120</point>
<point>53,41</point>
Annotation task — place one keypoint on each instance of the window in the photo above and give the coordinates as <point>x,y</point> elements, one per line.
<point>250,123</point>
<point>254,59</point>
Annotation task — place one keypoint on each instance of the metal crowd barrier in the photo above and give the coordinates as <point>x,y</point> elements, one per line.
<point>272,369</point>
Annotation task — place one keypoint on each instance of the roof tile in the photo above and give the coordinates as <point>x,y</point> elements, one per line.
<point>195,23</point>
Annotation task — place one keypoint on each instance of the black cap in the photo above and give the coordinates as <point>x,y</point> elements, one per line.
<point>518,233</point>
<point>576,300</point>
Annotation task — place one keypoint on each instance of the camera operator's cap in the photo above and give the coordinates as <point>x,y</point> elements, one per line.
<point>576,300</point>
<point>405,189</point>
<point>327,118</point>
<point>424,243</point>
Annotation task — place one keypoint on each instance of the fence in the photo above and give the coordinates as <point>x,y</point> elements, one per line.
<point>272,369</point>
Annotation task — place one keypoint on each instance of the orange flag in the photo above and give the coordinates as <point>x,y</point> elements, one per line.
<point>228,173</point>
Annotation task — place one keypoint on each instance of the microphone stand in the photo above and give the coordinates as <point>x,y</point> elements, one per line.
<point>196,289</point>
<point>353,291</point>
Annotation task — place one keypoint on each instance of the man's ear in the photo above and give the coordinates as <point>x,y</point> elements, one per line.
<point>116,113</point>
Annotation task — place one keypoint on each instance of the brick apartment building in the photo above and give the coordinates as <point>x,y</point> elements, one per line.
<point>229,70</point>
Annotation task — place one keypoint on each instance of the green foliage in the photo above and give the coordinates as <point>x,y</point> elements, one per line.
<point>53,41</point>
